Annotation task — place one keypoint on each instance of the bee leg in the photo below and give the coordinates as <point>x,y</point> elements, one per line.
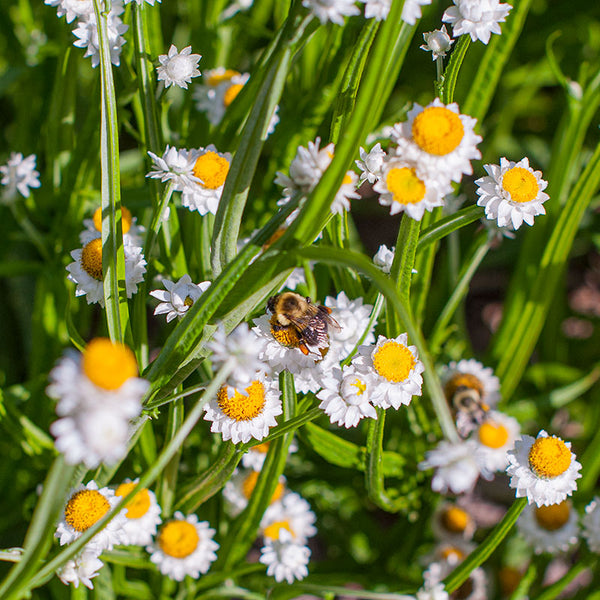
<point>304,349</point>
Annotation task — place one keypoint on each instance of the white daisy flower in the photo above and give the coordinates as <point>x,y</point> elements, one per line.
<point>543,469</point>
<point>243,346</point>
<point>184,546</point>
<point>86,270</point>
<point>550,529</point>
<point>452,523</point>
<point>437,42</point>
<point>142,514</point>
<point>395,371</point>
<point>347,192</point>
<point>591,525</point>
<point>74,9</point>
<point>456,464</point>
<point>239,488</point>
<point>283,352</point>
<point>81,569</point>
<point>178,68</point>
<point>495,437</point>
<point>345,396</point>
<point>439,139</point>
<point>512,193</point>
<point>86,33</point>
<point>306,169</point>
<point>132,232</point>
<point>285,559</point>
<point>98,394</point>
<point>377,9</point>
<point>19,175</point>
<point>384,257</point>
<point>433,588</point>
<point>471,390</point>
<point>371,163</point>
<point>405,188</point>
<point>210,170</point>
<point>291,513</point>
<point>477,18</point>
<point>331,10</point>
<point>174,165</point>
<point>86,506</point>
<point>353,319</point>
<point>241,415</point>
<point>177,297</point>
<point>218,90</point>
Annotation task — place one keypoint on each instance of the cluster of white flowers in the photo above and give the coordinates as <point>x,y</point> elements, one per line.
<point>178,68</point>
<point>86,270</point>
<point>98,393</point>
<point>199,174</point>
<point>183,545</point>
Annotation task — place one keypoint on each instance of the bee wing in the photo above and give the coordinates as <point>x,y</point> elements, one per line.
<point>311,328</point>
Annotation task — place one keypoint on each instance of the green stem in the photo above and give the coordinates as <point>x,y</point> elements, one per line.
<point>485,549</point>
<point>18,210</point>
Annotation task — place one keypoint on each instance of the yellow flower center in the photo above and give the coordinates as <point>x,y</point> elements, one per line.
<point>262,448</point>
<point>242,407</point>
<point>211,169</point>
<point>360,386</point>
<point>347,179</point>
<point>393,361</point>
<point>125,219</point>
<point>109,365</point>
<point>272,530</point>
<point>178,538</point>
<point>217,78</point>
<point>549,457</point>
<point>521,184</point>
<point>455,519</point>
<point>405,186</point>
<point>451,552</point>
<point>231,93</point>
<point>188,301</point>
<point>460,380</point>
<point>437,130</point>
<point>493,435</point>
<point>552,517</point>
<point>139,505</point>
<point>250,483</point>
<point>287,336</point>
<point>85,508</point>
<point>91,259</point>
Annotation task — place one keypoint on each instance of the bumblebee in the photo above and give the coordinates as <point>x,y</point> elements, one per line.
<point>464,393</point>
<point>297,322</point>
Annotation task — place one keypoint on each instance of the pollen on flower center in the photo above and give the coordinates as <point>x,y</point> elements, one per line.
<point>125,219</point>
<point>178,539</point>
<point>452,552</point>
<point>139,505</point>
<point>108,365</point>
<point>188,301</point>
<point>549,457</point>
<point>462,380</point>
<point>91,259</point>
<point>211,169</point>
<point>217,78</point>
<point>347,179</point>
<point>552,517</point>
<point>393,361</point>
<point>286,336</point>
<point>405,186</point>
<point>360,386</point>
<point>242,407</point>
<point>231,93</point>
<point>455,519</point>
<point>85,508</point>
<point>437,130</point>
<point>250,483</point>
<point>272,530</point>
<point>521,184</point>
<point>493,435</point>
